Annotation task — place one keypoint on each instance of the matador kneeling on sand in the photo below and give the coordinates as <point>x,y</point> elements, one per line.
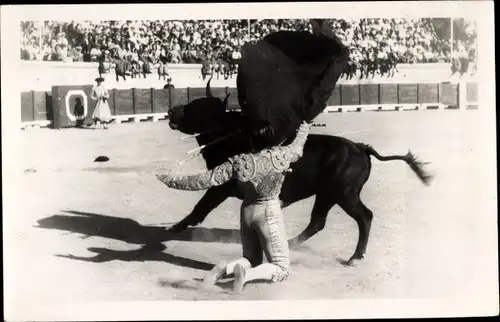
<point>260,176</point>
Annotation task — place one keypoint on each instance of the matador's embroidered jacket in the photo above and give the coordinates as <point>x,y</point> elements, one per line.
<point>260,175</point>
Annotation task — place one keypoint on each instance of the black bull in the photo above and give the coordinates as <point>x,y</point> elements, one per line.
<point>332,168</point>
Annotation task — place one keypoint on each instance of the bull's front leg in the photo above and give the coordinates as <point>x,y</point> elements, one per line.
<point>210,200</point>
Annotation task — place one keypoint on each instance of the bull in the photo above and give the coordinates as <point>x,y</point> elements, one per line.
<point>334,169</point>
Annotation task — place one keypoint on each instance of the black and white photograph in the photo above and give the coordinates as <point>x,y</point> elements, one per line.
<point>198,161</point>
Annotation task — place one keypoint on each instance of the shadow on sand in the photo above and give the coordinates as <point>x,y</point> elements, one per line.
<point>132,232</point>
<point>127,230</point>
<point>145,253</point>
<point>150,238</point>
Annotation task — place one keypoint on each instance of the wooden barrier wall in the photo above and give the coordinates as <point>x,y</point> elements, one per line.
<point>147,101</point>
<point>37,106</point>
<point>373,94</point>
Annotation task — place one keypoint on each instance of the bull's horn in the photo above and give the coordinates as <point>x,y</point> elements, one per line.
<point>209,91</point>
<point>226,99</point>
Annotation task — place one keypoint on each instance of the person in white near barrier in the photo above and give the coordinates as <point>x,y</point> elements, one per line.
<point>102,112</point>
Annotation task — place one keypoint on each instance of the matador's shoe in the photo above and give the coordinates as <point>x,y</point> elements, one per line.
<point>239,278</point>
<point>215,274</point>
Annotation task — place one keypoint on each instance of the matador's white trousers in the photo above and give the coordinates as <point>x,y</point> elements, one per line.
<point>263,232</point>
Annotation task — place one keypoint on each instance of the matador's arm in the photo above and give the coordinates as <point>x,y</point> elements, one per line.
<point>201,181</point>
<point>296,148</point>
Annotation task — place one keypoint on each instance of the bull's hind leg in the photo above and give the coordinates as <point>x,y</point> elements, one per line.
<point>363,217</point>
<point>322,205</point>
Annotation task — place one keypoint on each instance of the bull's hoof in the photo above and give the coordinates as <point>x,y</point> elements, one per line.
<point>183,225</point>
<point>351,262</point>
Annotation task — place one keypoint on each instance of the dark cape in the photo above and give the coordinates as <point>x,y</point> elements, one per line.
<point>287,78</point>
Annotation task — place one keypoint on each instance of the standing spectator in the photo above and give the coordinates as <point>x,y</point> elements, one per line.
<point>121,68</point>
<point>61,39</point>
<point>56,53</point>
<point>77,54</point>
<point>102,113</point>
<point>163,68</point>
<point>169,84</point>
<point>102,69</point>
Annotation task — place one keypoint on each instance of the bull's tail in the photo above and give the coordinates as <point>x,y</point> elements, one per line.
<point>415,164</point>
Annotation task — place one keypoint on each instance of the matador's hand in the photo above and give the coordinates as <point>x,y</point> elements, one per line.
<point>163,174</point>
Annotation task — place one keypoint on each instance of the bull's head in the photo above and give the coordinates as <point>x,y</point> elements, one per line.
<point>209,117</point>
<point>201,115</point>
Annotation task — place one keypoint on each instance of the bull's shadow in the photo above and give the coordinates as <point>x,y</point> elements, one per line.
<point>132,232</point>
<point>127,230</point>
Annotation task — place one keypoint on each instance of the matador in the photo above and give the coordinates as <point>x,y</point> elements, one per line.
<point>260,176</point>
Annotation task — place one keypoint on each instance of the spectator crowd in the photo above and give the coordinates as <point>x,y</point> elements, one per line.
<point>377,45</point>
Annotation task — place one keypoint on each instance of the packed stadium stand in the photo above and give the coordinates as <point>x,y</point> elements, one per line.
<point>377,45</point>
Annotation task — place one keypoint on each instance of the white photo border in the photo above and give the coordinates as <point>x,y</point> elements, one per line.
<point>223,310</point>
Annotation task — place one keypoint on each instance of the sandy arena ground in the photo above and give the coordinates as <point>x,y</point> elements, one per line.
<point>81,226</point>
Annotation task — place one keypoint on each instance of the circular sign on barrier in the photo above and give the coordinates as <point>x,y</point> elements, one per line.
<point>76,92</point>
